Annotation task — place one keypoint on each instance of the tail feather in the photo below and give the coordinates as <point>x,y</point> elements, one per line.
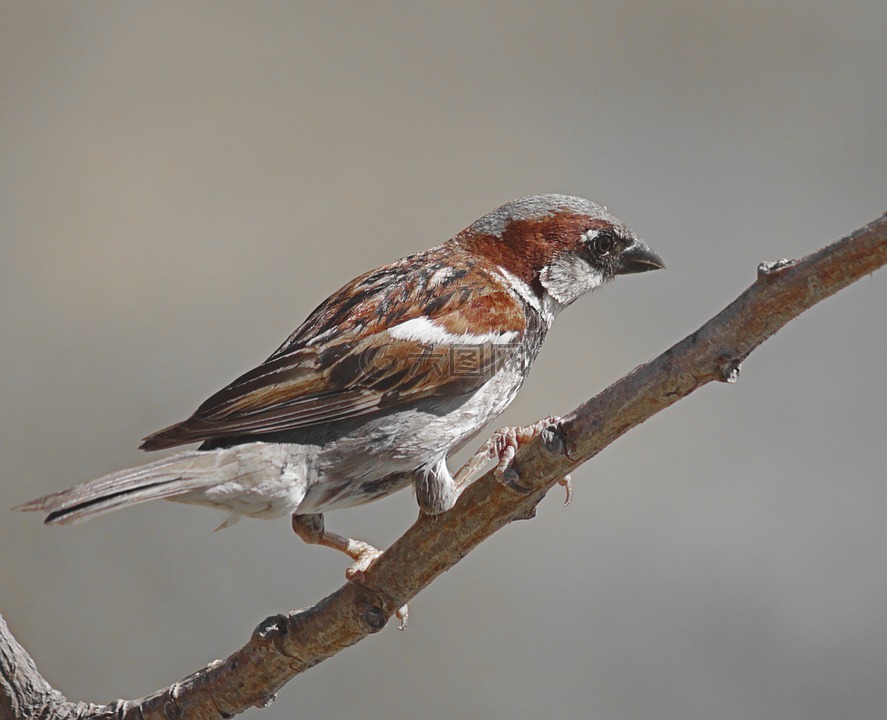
<point>166,478</point>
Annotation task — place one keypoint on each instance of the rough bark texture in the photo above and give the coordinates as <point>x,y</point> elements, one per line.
<point>286,645</point>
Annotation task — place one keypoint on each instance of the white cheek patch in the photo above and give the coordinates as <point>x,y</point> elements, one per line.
<point>569,277</point>
<point>423,330</point>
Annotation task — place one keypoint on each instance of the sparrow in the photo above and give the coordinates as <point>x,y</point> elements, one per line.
<point>384,381</point>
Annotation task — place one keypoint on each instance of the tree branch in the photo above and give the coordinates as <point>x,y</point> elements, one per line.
<point>285,645</point>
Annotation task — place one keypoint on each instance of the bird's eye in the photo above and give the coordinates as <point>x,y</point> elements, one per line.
<point>601,242</point>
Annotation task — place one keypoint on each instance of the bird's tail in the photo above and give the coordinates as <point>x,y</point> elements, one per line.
<point>167,478</point>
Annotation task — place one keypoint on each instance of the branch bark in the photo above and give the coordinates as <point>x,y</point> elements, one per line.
<point>283,646</point>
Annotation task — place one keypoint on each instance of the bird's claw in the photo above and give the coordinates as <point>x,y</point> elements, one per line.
<point>567,483</point>
<point>510,478</point>
<point>504,444</point>
<point>364,555</point>
<point>403,614</point>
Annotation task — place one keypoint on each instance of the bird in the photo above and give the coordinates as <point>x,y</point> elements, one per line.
<point>384,381</point>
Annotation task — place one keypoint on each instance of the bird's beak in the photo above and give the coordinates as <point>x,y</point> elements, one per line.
<point>637,258</point>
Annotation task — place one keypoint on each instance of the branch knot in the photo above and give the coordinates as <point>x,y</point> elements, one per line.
<point>728,369</point>
<point>772,267</point>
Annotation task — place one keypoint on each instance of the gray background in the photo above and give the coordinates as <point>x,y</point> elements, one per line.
<point>180,183</point>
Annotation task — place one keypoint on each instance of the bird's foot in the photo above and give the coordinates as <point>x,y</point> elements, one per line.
<point>504,444</point>
<point>311,529</point>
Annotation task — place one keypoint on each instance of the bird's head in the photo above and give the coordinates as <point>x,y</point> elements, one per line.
<point>558,246</point>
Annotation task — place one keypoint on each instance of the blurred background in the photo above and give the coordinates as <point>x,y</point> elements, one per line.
<point>181,183</point>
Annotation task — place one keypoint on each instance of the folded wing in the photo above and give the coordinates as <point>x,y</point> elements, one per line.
<point>373,346</point>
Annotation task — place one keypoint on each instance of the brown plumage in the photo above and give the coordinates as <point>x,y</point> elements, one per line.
<point>388,377</point>
<point>361,370</point>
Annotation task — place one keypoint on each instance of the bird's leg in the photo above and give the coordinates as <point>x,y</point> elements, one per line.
<point>471,469</point>
<point>310,528</point>
<point>503,445</point>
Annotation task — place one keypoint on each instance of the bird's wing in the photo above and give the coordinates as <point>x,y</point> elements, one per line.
<point>379,343</point>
